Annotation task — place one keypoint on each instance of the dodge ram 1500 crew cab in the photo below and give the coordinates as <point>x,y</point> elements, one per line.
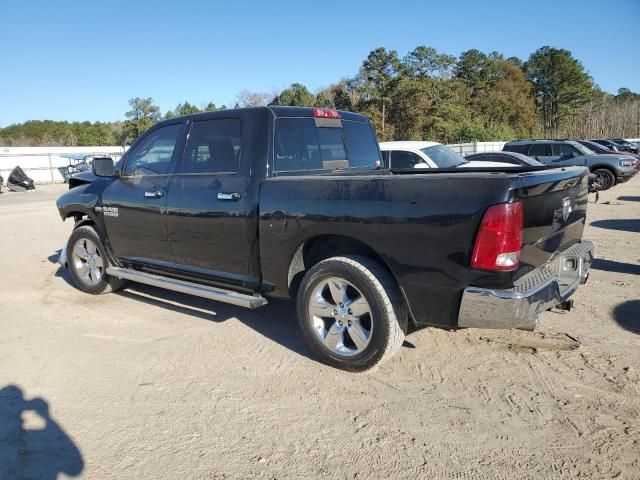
<point>240,205</point>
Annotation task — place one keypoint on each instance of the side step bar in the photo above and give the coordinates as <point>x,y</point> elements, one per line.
<point>212,293</point>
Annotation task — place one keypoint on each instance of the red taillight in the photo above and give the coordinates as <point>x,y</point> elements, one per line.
<point>325,113</point>
<point>499,239</point>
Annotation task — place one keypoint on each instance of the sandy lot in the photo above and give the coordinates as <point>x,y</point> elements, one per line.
<point>149,384</point>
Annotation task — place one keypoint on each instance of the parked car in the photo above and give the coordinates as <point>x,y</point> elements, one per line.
<point>602,150</point>
<point>626,146</point>
<point>513,158</point>
<point>241,205</point>
<point>609,169</point>
<point>610,145</point>
<point>402,155</point>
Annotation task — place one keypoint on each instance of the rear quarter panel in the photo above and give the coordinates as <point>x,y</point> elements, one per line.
<point>422,225</point>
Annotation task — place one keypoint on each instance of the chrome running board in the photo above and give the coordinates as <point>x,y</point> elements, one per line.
<point>212,293</point>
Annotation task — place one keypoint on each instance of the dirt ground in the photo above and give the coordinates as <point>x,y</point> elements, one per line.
<point>149,384</point>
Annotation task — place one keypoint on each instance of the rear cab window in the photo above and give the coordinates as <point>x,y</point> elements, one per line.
<point>309,146</point>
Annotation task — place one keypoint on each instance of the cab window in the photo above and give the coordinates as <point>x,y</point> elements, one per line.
<point>213,147</point>
<point>303,146</point>
<point>152,156</point>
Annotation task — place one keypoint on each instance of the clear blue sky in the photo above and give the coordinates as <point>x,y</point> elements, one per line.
<point>83,60</point>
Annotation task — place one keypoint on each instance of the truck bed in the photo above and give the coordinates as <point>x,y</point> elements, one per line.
<point>423,225</point>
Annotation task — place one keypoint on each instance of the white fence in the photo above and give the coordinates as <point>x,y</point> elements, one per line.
<point>46,164</point>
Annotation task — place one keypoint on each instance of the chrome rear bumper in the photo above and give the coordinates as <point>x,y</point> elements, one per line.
<point>541,289</point>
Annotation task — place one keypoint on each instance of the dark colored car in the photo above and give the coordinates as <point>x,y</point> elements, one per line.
<point>609,169</point>
<point>611,145</point>
<point>241,205</point>
<point>513,158</point>
<point>626,146</point>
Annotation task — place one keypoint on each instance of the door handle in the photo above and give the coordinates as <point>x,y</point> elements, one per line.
<point>156,194</point>
<point>232,197</point>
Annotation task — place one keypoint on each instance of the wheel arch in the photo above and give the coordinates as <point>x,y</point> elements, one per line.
<point>320,247</point>
<point>603,166</point>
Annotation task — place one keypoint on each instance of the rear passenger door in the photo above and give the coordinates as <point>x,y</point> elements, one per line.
<point>208,205</point>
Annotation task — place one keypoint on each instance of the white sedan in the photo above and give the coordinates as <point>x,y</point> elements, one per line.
<point>403,155</point>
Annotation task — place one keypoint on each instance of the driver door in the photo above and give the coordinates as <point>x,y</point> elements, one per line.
<point>566,155</point>
<point>134,204</point>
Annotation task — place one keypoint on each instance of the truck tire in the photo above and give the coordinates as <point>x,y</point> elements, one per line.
<point>87,262</point>
<point>605,178</point>
<point>351,312</point>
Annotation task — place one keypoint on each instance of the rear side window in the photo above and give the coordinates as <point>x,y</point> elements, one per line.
<point>540,150</point>
<point>518,148</point>
<point>302,146</point>
<point>213,147</point>
<point>563,149</point>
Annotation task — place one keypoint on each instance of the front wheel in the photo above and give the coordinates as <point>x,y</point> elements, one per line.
<point>87,262</point>
<point>351,312</point>
<point>604,178</point>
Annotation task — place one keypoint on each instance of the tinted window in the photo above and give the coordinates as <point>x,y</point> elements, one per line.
<point>362,146</point>
<point>519,148</point>
<point>152,156</point>
<point>540,150</point>
<point>402,159</point>
<point>563,150</point>
<point>301,145</point>
<point>213,147</point>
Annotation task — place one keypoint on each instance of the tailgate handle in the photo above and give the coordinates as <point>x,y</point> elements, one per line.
<point>156,194</point>
<point>230,197</point>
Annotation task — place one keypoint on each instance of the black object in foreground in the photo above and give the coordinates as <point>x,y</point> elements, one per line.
<point>18,181</point>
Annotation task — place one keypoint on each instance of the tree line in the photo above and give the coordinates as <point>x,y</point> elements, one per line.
<point>424,94</point>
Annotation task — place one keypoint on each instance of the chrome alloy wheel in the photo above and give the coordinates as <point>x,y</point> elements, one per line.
<point>87,261</point>
<point>341,316</point>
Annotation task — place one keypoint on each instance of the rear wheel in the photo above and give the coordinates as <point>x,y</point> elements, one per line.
<point>87,262</point>
<point>605,178</point>
<point>351,312</point>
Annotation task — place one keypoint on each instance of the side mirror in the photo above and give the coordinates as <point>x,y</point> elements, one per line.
<point>103,167</point>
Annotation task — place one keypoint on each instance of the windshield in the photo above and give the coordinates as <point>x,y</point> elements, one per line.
<point>583,150</point>
<point>443,156</point>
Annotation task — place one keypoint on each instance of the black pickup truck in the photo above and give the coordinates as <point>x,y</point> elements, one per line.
<point>239,205</point>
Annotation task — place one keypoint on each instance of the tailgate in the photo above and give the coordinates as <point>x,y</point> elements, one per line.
<point>555,209</point>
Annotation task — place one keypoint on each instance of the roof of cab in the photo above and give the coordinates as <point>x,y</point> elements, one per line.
<point>277,111</point>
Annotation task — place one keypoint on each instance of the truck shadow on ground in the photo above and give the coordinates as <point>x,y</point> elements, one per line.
<point>613,266</point>
<point>623,224</point>
<point>277,320</point>
<point>627,315</point>
<point>32,444</point>
<point>629,198</point>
